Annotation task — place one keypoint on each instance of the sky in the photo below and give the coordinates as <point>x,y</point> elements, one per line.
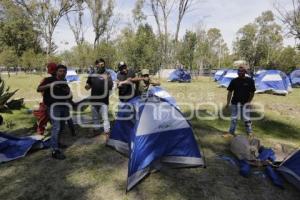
<point>227,15</point>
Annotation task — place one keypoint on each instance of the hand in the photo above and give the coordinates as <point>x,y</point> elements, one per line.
<point>104,76</point>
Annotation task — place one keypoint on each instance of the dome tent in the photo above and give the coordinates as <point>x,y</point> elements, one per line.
<point>274,81</point>
<point>219,74</point>
<point>180,75</point>
<point>295,78</point>
<point>151,141</point>
<point>72,76</point>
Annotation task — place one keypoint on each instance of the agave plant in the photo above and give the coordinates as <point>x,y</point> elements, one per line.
<point>5,95</point>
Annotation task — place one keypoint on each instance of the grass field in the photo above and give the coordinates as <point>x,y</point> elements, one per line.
<point>93,171</point>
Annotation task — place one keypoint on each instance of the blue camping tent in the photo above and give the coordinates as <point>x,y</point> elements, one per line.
<point>272,80</point>
<point>72,76</point>
<point>153,133</point>
<point>290,169</point>
<point>295,78</point>
<point>225,80</point>
<point>219,74</point>
<point>180,75</point>
<point>112,73</point>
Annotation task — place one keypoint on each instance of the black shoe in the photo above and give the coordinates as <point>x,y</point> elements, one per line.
<point>58,155</point>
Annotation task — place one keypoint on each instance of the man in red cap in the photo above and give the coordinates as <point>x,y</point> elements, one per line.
<point>41,114</point>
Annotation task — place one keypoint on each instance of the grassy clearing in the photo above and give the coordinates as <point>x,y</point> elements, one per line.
<point>92,171</point>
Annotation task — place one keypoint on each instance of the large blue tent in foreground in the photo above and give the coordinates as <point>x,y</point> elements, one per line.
<point>153,133</point>
<point>290,169</point>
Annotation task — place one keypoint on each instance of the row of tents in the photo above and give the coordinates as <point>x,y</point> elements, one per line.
<point>274,81</point>
<point>175,75</point>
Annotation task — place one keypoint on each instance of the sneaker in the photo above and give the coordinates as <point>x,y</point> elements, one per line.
<point>57,154</point>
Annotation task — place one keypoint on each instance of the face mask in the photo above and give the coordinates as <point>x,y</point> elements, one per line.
<point>101,70</point>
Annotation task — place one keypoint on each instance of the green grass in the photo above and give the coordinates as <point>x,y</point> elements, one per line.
<point>93,171</point>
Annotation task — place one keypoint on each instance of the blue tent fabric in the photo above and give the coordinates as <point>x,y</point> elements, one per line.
<point>180,75</point>
<point>272,80</point>
<point>157,135</point>
<point>12,147</point>
<point>295,78</point>
<point>290,169</point>
<point>72,76</point>
<point>219,74</point>
<point>113,74</point>
<point>225,80</point>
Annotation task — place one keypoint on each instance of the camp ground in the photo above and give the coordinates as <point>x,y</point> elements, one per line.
<point>149,100</point>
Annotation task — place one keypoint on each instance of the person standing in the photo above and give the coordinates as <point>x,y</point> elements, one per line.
<point>58,99</point>
<point>100,83</point>
<point>240,94</point>
<point>42,113</point>
<point>127,83</point>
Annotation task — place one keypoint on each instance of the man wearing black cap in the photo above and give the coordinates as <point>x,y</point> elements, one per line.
<point>126,83</point>
<point>100,83</point>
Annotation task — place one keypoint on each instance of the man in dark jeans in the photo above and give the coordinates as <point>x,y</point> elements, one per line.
<point>58,98</point>
<point>240,94</point>
<point>100,83</point>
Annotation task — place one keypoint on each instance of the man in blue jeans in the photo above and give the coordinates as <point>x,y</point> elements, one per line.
<point>59,101</point>
<point>240,94</point>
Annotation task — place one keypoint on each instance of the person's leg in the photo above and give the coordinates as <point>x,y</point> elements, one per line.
<point>96,121</point>
<point>106,124</point>
<point>96,117</point>
<point>247,119</point>
<point>104,115</point>
<point>55,113</point>
<point>71,127</point>
<point>234,118</point>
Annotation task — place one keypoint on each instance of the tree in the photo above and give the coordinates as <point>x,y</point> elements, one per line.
<point>257,42</point>
<point>291,18</point>
<point>188,46</point>
<point>46,14</point>
<point>183,7</point>
<point>211,49</point>
<point>285,60</point>
<point>17,31</point>
<point>75,21</point>
<point>8,58</point>
<point>139,48</point>
<point>101,12</point>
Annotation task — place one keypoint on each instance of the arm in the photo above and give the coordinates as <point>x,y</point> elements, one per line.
<point>88,83</point>
<point>44,85</point>
<point>229,96</point>
<point>251,97</point>
<point>87,86</point>
<point>154,83</point>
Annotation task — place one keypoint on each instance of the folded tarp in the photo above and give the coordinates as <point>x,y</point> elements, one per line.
<point>12,147</point>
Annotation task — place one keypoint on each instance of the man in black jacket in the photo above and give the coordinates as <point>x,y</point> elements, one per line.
<point>100,83</point>
<point>240,94</point>
<point>58,98</point>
